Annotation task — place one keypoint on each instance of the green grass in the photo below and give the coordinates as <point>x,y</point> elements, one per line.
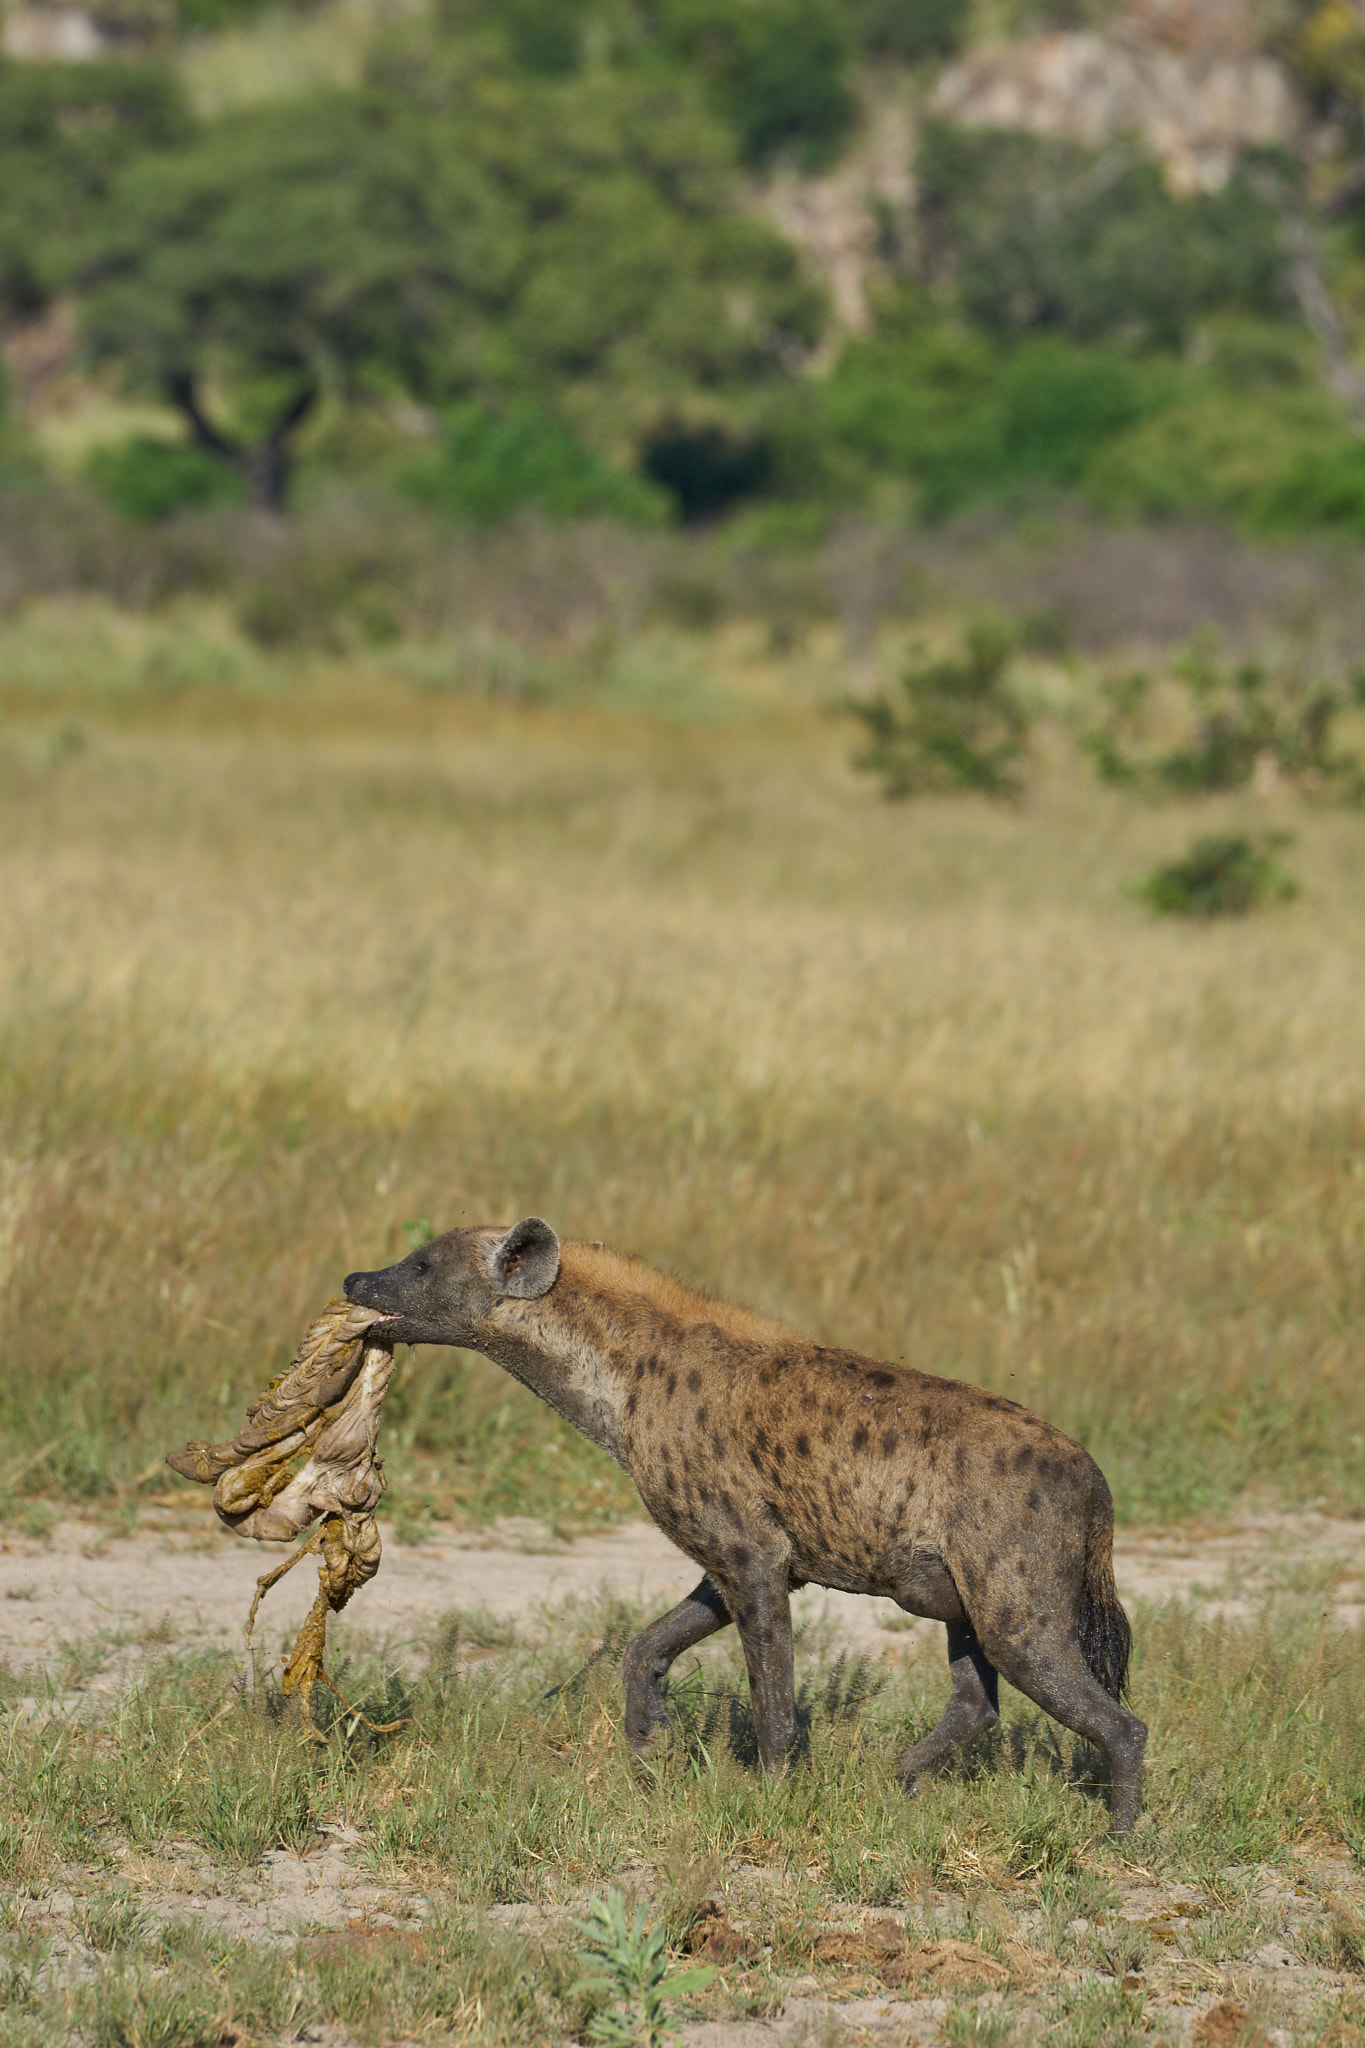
<point>511,1786</point>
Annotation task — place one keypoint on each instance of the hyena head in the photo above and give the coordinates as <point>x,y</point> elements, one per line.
<point>445,1292</point>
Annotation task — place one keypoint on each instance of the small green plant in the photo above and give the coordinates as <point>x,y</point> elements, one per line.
<point>1224,874</point>
<point>959,726</point>
<point>628,1964</point>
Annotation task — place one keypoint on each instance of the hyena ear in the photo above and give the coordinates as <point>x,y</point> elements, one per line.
<point>526,1261</point>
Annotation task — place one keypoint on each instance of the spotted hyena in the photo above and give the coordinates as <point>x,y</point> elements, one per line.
<point>777,1463</point>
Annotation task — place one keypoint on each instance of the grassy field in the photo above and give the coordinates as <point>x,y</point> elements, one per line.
<point>299,958</point>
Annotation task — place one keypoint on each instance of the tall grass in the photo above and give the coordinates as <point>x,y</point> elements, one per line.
<point>287,970</point>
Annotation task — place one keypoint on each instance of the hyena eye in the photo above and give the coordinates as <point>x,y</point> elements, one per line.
<point>422,1266</point>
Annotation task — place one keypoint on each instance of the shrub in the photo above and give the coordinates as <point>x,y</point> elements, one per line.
<point>1300,467</point>
<point>492,465</point>
<point>966,418</point>
<point>1043,233</point>
<point>147,479</point>
<point>960,727</point>
<point>1242,718</point>
<point>1222,875</point>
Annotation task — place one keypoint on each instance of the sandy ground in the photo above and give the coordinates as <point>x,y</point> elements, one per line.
<point>181,1577</point>
<point>185,1577</point>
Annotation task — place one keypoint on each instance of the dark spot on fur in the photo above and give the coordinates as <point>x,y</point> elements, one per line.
<point>632,1401</point>
<point>671,1389</point>
<point>960,1459</point>
<point>888,1443</point>
<point>802,1445</point>
<point>741,1557</point>
<point>779,1453</point>
<point>755,1460</point>
<point>701,1418</point>
<point>882,1379</point>
<point>860,1438</point>
<point>694,1380</point>
<point>1023,1458</point>
<point>639,1368</point>
<point>1035,1499</point>
<point>652,1363</point>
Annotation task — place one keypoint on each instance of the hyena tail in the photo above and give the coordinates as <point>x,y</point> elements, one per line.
<point>1106,1638</point>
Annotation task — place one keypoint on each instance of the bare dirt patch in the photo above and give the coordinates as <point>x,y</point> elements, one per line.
<point>180,1577</point>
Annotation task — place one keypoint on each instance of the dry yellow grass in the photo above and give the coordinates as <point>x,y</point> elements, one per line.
<point>284,973</point>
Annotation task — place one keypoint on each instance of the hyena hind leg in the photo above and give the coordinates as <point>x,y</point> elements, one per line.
<point>974,1707</point>
<point>1056,1677</point>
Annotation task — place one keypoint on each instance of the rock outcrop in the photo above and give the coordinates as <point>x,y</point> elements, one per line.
<point>1179,77</point>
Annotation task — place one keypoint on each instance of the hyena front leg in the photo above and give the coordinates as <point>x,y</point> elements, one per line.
<point>761,1610</point>
<point>654,1649</point>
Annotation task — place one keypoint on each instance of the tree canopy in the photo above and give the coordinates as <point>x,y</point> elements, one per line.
<point>66,131</point>
<point>449,232</point>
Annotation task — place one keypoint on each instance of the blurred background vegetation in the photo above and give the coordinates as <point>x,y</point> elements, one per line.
<point>471,476</point>
<point>675,260</point>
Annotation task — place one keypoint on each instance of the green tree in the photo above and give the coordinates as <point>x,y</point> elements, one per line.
<point>626,277</point>
<point>275,255</point>
<point>456,230</point>
<point>66,131</point>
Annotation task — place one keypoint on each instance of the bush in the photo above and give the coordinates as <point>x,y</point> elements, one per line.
<point>965,418</point>
<point>1301,466</point>
<point>959,728</point>
<point>1047,234</point>
<point>1222,875</point>
<point>1240,718</point>
<point>146,479</point>
<point>493,465</point>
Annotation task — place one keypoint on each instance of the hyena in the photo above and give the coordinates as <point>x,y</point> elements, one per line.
<point>776,1463</point>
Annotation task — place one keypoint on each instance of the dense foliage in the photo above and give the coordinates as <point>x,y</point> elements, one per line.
<point>524,261</point>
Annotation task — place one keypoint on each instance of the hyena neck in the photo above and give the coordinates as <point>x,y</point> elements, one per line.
<point>567,1361</point>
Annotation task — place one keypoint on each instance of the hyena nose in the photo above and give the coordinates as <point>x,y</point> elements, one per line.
<point>350,1284</point>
